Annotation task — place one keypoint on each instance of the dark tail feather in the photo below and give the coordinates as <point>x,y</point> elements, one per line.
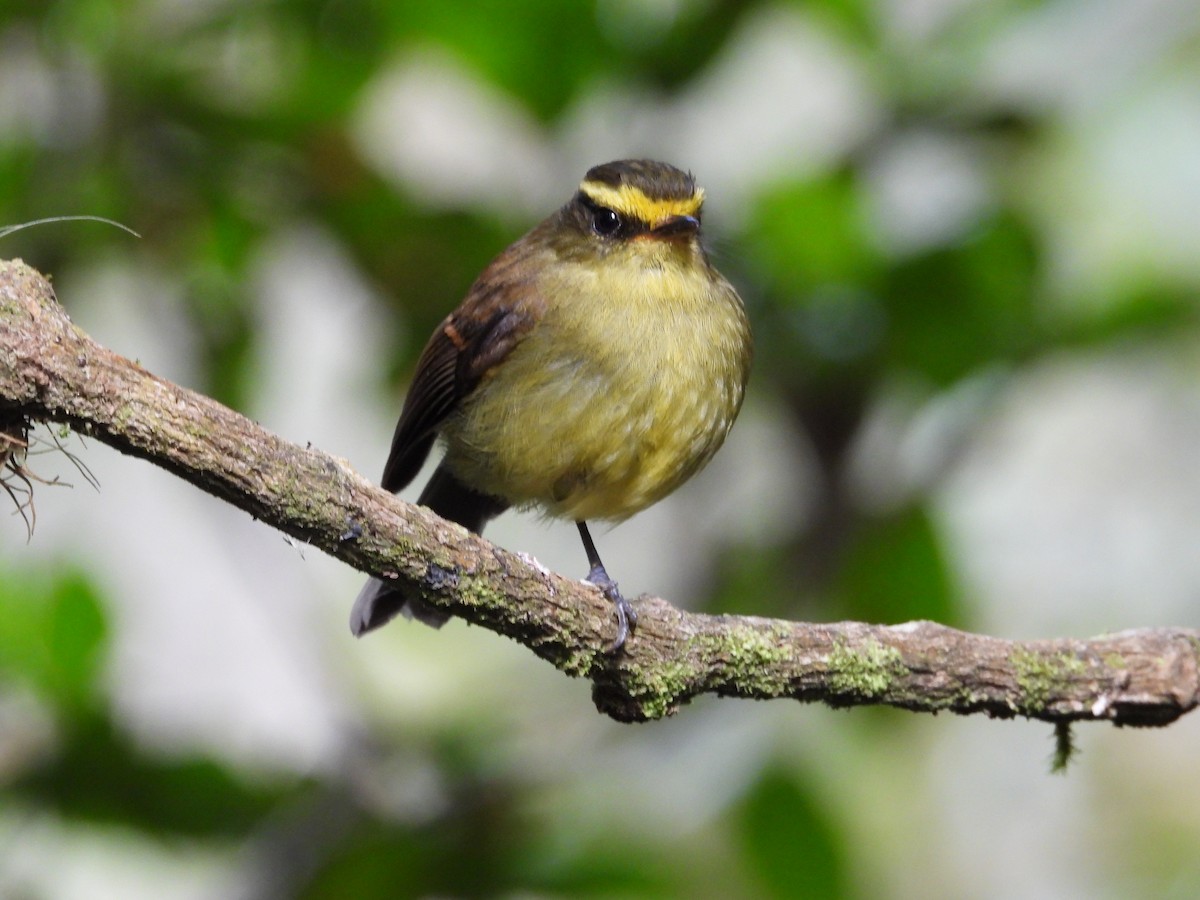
<point>379,602</point>
<point>453,500</point>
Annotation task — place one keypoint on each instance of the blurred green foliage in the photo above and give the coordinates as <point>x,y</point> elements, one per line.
<point>210,128</point>
<point>52,639</point>
<point>793,843</point>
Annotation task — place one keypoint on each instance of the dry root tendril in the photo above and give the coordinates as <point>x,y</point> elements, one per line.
<point>17,478</point>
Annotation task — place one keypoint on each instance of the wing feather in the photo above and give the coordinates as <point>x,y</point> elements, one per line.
<point>477,336</point>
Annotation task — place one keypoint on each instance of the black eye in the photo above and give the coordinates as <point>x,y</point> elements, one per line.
<point>605,222</point>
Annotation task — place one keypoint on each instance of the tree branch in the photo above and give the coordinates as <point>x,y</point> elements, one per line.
<point>51,371</point>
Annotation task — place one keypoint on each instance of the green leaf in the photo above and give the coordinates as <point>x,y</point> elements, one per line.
<point>53,636</point>
<point>792,843</point>
<point>98,774</point>
<point>957,309</point>
<point>894,571</point>
<point>808,234</point>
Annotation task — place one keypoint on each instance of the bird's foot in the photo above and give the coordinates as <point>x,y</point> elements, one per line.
<point>626,615</point>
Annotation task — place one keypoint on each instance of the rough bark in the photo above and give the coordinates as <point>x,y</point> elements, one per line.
<point>50,371</point>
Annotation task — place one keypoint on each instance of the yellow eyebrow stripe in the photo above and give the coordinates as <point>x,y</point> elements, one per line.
<point>630,201</point>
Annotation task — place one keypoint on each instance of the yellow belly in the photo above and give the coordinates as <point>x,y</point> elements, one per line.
<point>623,391</point>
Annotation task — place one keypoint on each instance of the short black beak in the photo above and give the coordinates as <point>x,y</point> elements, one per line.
<point>676,226</point>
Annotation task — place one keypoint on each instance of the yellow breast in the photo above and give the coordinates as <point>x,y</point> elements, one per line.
<point>625,388</point>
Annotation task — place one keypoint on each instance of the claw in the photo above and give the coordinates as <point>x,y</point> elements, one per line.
<point>626,623</point>
<point>626,614</point>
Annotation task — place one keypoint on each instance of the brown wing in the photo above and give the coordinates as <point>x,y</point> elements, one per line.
<point>496,314</point>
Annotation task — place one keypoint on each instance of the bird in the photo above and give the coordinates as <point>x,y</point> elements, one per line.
<point>593,367</point>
